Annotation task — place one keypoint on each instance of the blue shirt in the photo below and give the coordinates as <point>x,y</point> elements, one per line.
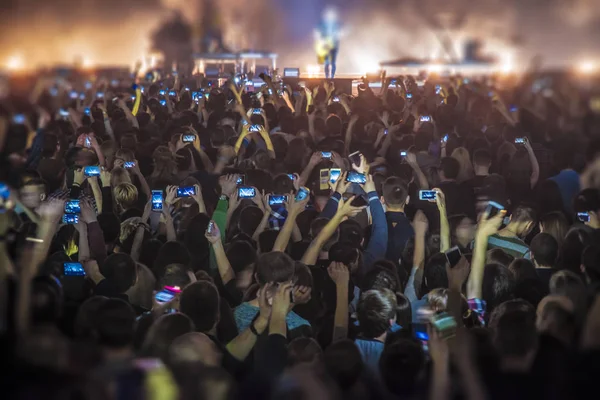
<point>245,313</point>
<point>567,181</point>
<point>370,351</point>
<point>399,232</point>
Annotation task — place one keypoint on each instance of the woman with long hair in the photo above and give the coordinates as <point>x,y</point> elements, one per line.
<point>165,168</point>
<point>466,172</point>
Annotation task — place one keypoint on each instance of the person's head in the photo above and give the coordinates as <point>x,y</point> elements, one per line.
<point>376,312</point>
<point>176,275</point>
<point>515,339</point>
<point>170,253</point>
<point>86,315</point>
<point>482,161</point>
<point>403,310</point>
<point>544,250</point>
<point>266,240</point>
<point>522,269</point>
<point>462,229</point>
<point>556,317</point>
<point>522,221</point>
<point>380,277</point>
<point>200,301</point>
<point>163,332</point>
<point>344,362</point>
<point>126,195</point>
<point>395,193</point>
<point>556,225</point>
<point>274,267</point>
<point>113,324</point>
<point>194,347</point>
<point>249,219</point>
<point>119,175</point>
<point>588,201</point>
<point>317,225</point>
<point>499,256</point>
<point>498,284</point>
<point>346,253</point>
<point>242,256</point>
<point>120,270</point>
<point>111,228</point>
<point>164,161</point>
<point>401,365</point>
<point>434,273</point>
<point>590,264</point>
<point>33,193</point>
<point>304,350</point>
<point>463,157</point>
<point>575,242</point>
<point>449,169</point>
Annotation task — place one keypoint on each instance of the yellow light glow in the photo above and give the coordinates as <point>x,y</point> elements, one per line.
<point>87,63</point>
<point>15,63</point>
<point>313,70</point>
<point>435,68</point>
<point>368,65</point>
<point>587,67</point>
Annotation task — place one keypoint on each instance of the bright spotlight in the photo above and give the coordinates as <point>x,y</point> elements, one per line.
<point>87,63</point>
<point>587,67</point>
<point>369,66</point>
<point>313,70</point>
<point>15,63</point>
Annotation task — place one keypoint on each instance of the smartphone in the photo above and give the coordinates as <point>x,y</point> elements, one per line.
<point>18,119</point>
<point>355,177</point>
<point>88,142</point>
<point>132,98</point>
<point>167,294</point>
<point>445,139</point>
<point>157,200</point>
<point>63,113</point>
<point>100,95</point>
<point>393,82</point>
<point>162,92</point>
<point>87,111</point>
<point>92,170</point>
<point>210,227</point>
<point>186,191</point>
<point>82,96</point>
<point>73,94</point>
<point>438,89</point>
<point>493,209</point>
<point>302,194</point>
<point>324,179</point>
<point>385,131</point>
<point>513,109</point>
<point>195,95</point>
<point>409,95</point>
<point>403,153</point>
<point>276,199</point>
<point>241,180</point>
<point>188,138</point>
<point>444,324</point>
<point>336,99</point>
<point>254,128</point>
<point>355,158</point>
<point>520,140</point>
<point>583,217</point>
<point>292,177</point>
<point>72,207</point>
<point>326,154</point>
<point>88,85</point>
<point>73,269</point>
<point>129,164</point>
<point>425,118</point>
<point>172,93</point>
<point>427,195</point>
<point>163,102</point>
<point>114,82</point>
<point>70,219</point>
<point>246,192</point>
<point>334,174</point>
<point>453,256</point>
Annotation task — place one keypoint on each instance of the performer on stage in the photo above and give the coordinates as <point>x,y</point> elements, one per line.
<point>327,41</point>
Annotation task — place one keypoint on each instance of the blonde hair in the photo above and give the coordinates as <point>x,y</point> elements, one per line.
<point>119,175</point>
<point>466,172</point>
<point>128,227</point>
<point>165,165</point>
<point>126,195</point>
<point>438,299</point>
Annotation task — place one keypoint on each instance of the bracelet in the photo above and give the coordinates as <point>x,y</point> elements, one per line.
<point>253,329</point>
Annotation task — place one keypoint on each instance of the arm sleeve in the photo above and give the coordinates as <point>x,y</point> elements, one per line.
<point>331,206</point>
<point>75,192</point>
<point>96,242</point>
<point>379,233</point>
<point>107,201</point>
<point>220,218</point>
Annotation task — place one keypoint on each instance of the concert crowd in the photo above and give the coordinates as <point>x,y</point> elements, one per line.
<point>175,239</point>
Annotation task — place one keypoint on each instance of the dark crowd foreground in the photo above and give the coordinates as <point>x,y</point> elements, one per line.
<point>164,241</point>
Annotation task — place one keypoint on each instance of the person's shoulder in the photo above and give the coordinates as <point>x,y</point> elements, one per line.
<point>295,321</point>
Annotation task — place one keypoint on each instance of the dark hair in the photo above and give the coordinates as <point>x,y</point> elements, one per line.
<point>174,275</point>
<point>344,362</point>
<point>395,191</point>
<point>482,158</point>
<point>450,167</point>
<point>507,307</point>
<point>515,334</point>
<point>110,225</point>
<point>266,240</point>
<point>351,231</point>
<point>544,249</point>
<point>522,269</point>
<point>572,248</point>
<point>400,365</point>
<point>345,252</point>
<point>555,224</point>
<point>163,332</point>
<point>120,270</point>
<point>523,213</point>
<point>403,310</point>
<point>303,350</point>
<point>590,259</point>
<point>434,273</point>
<point>379,278</point>
<point>587,200</point>
<point>303,275</point>
<point>240,254</point>
<point>250,218</point>
<point>274,267</point>
<point>170,253</point>
<point>200,301</point>
<point>375,310</point>
<point>497,286</point>
<point>86,316</point>
<point>114,323</point>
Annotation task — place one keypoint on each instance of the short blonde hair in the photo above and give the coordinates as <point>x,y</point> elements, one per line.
<point>126,195</point>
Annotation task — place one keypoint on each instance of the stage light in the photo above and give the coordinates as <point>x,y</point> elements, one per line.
<point>313,70</point>
<point>87,63</point>
<point>587,67</point>
<point>366,66</point>
<point>15,63</point>
<point>435,68</point>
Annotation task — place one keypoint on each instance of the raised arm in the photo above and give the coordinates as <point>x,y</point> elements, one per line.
<point>315,158</point>
<point>377,246</point>
<point>341,276</point>
<point>535,166</point>
<point>420,225</point>
<point>411,160</point>
<point>444,225</point>
<point>223,265</point>
<point>294,207</point>
<point>485,229</point>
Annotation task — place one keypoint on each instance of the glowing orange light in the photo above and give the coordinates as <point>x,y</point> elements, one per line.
<point>15,63</point>
<point>587,67</point>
